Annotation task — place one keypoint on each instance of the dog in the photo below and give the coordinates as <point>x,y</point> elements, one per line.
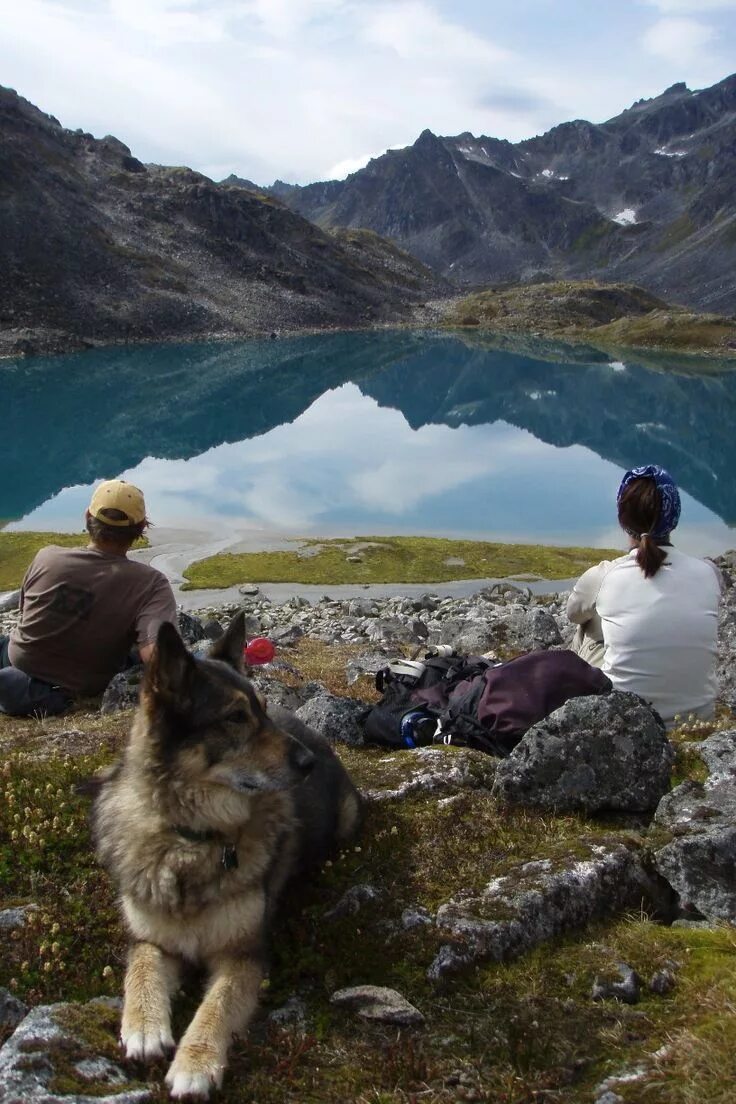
<point>215,806</point>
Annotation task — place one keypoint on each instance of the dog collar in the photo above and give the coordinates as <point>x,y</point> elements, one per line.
<point>228,855</point>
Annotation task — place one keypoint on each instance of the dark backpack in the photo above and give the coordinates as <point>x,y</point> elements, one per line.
<point>478,704</point>
<point>434,676</point>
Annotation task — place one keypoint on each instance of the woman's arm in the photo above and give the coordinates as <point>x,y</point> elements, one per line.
<point>581,603</point>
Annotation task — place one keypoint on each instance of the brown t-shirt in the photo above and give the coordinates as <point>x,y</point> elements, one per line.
<point>82,611</point>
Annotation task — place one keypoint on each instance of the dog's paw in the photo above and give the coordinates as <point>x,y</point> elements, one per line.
<point>183,1081</point>
<point>147,1045</point>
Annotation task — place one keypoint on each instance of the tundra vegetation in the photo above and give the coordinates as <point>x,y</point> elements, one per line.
<point>611,316</point>
<point>519,1032</point>
<point>391,560</point>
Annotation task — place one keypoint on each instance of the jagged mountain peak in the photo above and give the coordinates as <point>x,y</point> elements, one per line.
<point>645,196</point>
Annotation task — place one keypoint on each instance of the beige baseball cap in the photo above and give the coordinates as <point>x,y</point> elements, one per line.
<point>116,494</point>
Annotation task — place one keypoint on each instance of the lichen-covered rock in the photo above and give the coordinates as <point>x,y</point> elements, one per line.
<point>607,752</point>
<point>365,666</point>
<point>374,1002</point>
<point>418,917</point>
<point>285,635</point>
<point>543,899</point>
<point>353,900</point>
<point>123,690</point>
<point>626,987</point>
<point>719,754</point>
<point>699,863</point>
<point>10,601</point>
<point>12,1010</point>
<point>293,1013</point>
<point>391,630</point>
<point>336,718</point>
<point>435,770</point>
<point>44,1047</point>
<point>12,919</point>
<point>191,628</point>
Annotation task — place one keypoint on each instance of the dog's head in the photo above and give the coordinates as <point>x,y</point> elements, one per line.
<point>206,726</point>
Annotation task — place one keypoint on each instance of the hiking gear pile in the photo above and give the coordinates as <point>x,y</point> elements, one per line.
<point>471,701</point>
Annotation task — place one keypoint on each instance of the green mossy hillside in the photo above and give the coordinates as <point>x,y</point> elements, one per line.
<point>607,315</point>
<point>391,560</point>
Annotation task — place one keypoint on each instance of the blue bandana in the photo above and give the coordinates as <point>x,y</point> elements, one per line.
<point>669,512</point>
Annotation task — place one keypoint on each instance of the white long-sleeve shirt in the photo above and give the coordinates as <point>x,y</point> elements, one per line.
<point>660,634</point>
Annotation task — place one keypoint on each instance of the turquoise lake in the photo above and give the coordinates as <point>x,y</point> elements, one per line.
<point>370,433</point>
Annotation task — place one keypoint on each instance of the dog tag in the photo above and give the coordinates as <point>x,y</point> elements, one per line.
<point>229,857</point>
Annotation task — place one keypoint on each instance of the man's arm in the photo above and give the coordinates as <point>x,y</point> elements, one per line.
<point>159,606</point>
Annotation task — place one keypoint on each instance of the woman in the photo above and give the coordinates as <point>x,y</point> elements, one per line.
<point>650,619</point>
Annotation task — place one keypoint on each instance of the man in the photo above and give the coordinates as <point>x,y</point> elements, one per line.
<point>83,609</point>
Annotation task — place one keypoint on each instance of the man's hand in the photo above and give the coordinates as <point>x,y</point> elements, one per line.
<point>146,652</point>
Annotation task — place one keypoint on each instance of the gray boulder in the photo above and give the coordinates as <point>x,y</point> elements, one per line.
<point>285,635</point>
<point>13,919</point>
<point>45,1045</point>
<point>514,628</point>
<point>699,863</point>
<point>389,630</point>
<point>374,1002</point>
<point>12,1010</point>
<point>362,607</point>
<point>122,691</point>
<point>10,601</point>
<point>191,628</point>
<point>431,770</point>
<point>626,987</point>
<point>334,717</point>
<point>540,900</point>
<point>719,754</point>
<point>353,900</point>
<point>608,752</point>
<point>364,666</point>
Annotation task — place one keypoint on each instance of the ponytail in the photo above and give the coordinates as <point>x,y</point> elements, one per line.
<point>650,556</point>
<point>639,514</point>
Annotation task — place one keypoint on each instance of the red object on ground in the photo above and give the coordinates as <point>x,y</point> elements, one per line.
<point>258,650</point>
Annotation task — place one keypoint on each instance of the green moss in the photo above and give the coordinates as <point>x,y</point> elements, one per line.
<point>18,549</point>
<point>682,330</point>
<point>91,1031</point>
<point>392,560</point>
<point>605,316</point>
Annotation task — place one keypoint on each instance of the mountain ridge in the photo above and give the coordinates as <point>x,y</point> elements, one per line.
<point>645,197</point>
<point>96,247</point>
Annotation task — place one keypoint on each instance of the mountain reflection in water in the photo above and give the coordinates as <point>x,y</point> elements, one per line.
<point>471,416</point>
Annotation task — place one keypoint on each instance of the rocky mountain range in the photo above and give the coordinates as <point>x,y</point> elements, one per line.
<point>647,197</point>
<point>97,247</point>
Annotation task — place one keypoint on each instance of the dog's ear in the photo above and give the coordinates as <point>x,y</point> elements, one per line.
<point>171,669</point>
<point>229,648</point>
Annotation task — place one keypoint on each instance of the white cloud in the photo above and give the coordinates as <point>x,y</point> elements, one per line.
<point>301,89</point>
<point>680,41</point>
<point>413,29</point>
<point>694,7</point>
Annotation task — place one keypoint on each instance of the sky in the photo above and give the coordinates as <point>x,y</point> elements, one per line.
<point>303,90</point>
